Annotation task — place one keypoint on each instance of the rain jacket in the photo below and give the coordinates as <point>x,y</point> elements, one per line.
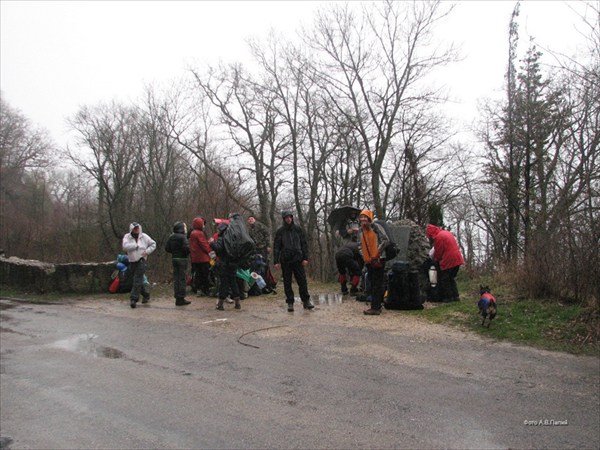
<point>445,248</point>
<point>199,247</point>
<point>290,245</point>
<point>136,247</point>
<point>178,244</point>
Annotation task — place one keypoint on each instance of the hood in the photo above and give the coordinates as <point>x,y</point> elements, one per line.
<point>221,228</point>
<point>179,227</point>
<point>432,231</point>
<point>198,223</point>
<point>132,225</point>
<point>368,213</point>
<point>284,214</point>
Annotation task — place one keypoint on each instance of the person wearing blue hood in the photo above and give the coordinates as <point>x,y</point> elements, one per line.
<point>290,254</point>
<point>138,246</point>
<point>179,247</point>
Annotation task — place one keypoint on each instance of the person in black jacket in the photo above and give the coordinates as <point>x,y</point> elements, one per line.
<point>290,254</point>
<point>228,267</point>
<point>178,246</point>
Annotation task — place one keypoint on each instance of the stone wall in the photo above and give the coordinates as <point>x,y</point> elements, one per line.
<point>38,276</point>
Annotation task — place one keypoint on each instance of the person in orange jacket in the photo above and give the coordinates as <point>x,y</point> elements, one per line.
<point>373,240</point>
<point>447,255</point>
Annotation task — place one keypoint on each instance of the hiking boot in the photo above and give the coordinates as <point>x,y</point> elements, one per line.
<point>237,303</point>
<point>290,307</point>
<point>372,312</point>
<point>146,299</point>
<point>132,303</point>
<point>220,304</point>
<point>182,302</point>
<point>345,291</point>
<point>353,290</point>
<point>308,305</point>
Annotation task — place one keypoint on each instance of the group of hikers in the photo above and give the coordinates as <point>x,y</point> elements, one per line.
<point>239,245</point>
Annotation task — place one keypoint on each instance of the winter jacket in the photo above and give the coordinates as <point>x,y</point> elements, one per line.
<point>199,247</point>
<point>178,244</point>
<point>290,245</point>
<point>136,247</point>
<point>445,248</point>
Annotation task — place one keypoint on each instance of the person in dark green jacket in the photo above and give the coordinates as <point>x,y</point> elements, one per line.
<point>179,248</point>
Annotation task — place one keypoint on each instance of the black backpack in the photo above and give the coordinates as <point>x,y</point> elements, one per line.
<point>238,243</point>
<point>403,288</point>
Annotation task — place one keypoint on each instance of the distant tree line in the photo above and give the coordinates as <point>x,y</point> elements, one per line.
<point>347,116</point>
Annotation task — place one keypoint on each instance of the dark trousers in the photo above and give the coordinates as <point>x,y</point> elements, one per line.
<point>179,284</point>
<point>376,285</point>
<point>138,270</point>
<point>228,281</point>
<point>447,284</point>
<point>200,280</point>
<point>297,270</point>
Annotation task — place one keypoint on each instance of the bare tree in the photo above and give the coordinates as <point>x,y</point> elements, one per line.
<point>25,155</point>
<point>373,69</point>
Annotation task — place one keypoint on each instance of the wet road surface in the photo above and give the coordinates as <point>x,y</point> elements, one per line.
<point>94,373</point>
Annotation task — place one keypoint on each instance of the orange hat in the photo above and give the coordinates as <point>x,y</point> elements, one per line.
<point>368,213</point>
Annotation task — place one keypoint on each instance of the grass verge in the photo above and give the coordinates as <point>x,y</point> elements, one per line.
<point>545,324</point>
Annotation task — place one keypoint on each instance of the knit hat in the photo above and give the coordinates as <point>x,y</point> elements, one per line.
<point>368,213</point>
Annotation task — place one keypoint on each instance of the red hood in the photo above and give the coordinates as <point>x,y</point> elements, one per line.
<point>432,231</point>
<point>198,223</point>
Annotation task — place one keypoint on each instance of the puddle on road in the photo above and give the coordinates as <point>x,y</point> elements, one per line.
<point>84,343</point>
<point>329,299</point>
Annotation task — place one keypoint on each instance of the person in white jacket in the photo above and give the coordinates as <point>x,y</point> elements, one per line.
<point>138,246</point>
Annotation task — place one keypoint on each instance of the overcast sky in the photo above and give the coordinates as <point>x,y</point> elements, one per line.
<point>58,56</point>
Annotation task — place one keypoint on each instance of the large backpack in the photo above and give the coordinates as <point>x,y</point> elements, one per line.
<point>403,288</point>
<point>238,243</point>
<point>391,250</point>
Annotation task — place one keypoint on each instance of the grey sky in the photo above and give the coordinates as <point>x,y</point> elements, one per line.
<point>58,56</point>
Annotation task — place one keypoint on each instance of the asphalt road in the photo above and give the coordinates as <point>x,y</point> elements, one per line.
<point>94,373</point>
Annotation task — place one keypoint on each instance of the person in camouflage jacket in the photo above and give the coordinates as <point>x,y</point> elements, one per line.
<point>260,235</point>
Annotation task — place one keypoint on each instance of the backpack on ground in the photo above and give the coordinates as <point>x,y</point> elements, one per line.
<point>403,288</point>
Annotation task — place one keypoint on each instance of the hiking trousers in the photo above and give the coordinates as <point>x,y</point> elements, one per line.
<point>447,284</point>
<point>376,285</point>
<point>297,271</point>
<point>138,269</point>
<point>179,282</point>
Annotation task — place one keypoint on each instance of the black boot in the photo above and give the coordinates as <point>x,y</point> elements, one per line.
<point>308,305</point>
<point>181,302</point>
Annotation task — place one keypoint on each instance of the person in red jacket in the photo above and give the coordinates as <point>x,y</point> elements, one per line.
<point>200,255</point>
<point>448,257</point>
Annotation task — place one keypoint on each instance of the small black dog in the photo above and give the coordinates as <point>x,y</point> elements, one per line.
<point>487,305</point>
